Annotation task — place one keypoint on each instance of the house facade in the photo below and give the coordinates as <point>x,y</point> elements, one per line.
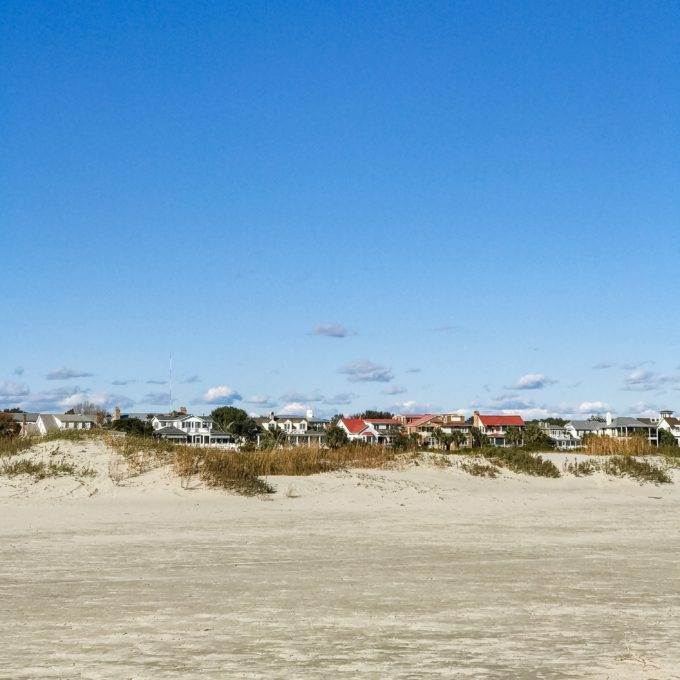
<point>47,423</point>
<point>496,427</point>
<point>426,427</point>
<point>669,423</point>
<point>562,438</point>
<point>618,428</point>
<point>190,429</point>
<point>299,430</point>
<point>370,430</point>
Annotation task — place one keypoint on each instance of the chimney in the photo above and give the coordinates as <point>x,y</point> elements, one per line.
<point>116,413</point>
<point>183,410</point>
<point>608,418</point>
<point>310,414</point>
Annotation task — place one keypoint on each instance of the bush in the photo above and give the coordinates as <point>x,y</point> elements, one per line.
<point>521,461</point>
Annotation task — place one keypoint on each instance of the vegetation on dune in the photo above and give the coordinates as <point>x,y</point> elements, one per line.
<point>619,466</point>
<point>41,470</point>
<point>520,461</point>
<point>479,469</point>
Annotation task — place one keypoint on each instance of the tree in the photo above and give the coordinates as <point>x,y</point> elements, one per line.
<point>399,441</point>
<point>336,437</point>
<point>272,438</point>
<point>666,438</point>
<point>8,426</point>
<point>414,440</point>
<point>133,426</point>
<point>479,439</point>
<point>374,414</point>
<point>513,435</point>
<point>535,437</point>
<point>236,422</point>
<point>16,409</point>
<point>458,438</point>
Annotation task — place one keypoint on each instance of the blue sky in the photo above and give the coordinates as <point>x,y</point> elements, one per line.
<point>410,205</point>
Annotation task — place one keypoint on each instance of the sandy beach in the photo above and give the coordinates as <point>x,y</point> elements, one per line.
<point>424,572</point>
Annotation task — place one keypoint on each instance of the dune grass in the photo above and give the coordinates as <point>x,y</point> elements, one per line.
<point>41,470</point>
<point>520,461</point>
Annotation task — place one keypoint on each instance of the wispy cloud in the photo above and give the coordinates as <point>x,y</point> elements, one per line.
<point>602,365</point>
<point>643,380</point>
<point>367,371</point>
<point>259,400</point>
<point>341,399</point>
<point>123,382</point>
<point>533,381</point>
<point>637,364</point>
<point>64,373</point>
<point>156,382</point>
<point>394,389</point>
<point>156,398</point>
<point>19,370</point>
<point>414,370</point>
<point>221,394</point>
<point>293,395</point>
<point>332,330</point>
<point>190,379</point>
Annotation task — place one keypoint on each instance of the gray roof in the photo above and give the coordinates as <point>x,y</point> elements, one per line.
<point>30,417</point>
<point>629,422</point>
<point>76,418</point>
<point>49,421</point>
<point>587,424</point>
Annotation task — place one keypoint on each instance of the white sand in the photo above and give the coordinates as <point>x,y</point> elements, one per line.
<point>420,573</point>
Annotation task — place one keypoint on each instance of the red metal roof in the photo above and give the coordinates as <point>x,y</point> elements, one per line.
<point>353,425</point>
<point>489,421</point>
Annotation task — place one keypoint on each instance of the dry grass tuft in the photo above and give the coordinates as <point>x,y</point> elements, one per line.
<point>610,446</point>
<point>478,469</point>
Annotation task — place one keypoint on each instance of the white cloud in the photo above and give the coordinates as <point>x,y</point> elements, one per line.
<point>533,381</point>
<point>293,408</point>
<point>11,390</point>
<point>592,407</point>
<point>64,373</point>
<point>367,371</point>
<point>104,400</point>
<point>411,406</point>
<point>220,395</point>
<point>332,330</point>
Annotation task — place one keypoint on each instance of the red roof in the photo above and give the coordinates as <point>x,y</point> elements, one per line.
<point>353,425</point>
<point>421,420</point>
<point>489,421</point>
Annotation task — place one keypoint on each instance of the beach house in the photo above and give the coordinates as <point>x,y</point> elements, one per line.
<point>496,427</point>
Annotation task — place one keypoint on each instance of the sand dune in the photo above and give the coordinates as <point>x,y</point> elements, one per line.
<point>424,572</point>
